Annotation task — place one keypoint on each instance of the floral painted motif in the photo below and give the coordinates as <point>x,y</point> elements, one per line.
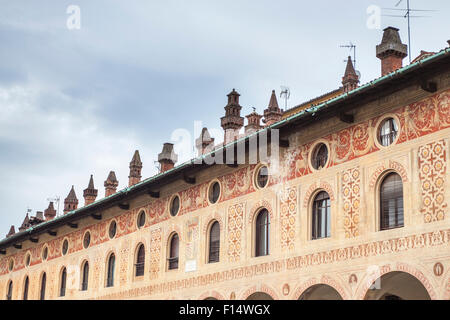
<point>351,194</point>
<point>432,172</point>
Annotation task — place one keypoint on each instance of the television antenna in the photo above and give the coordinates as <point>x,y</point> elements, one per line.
<point>351,46</point>
<point>56,200</point>
<point>285,94</point>
<point>407,16</point>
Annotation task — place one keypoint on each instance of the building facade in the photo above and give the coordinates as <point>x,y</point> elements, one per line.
<point>351,202</point>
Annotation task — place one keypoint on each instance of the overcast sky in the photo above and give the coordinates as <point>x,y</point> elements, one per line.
<point>75,102</point>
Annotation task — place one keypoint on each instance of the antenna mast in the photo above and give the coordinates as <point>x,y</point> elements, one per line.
<point>351,46</point>
<point>285,94</point>
<point>408,16</point>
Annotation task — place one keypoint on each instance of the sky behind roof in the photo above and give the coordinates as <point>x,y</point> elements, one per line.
<point>79,102</point>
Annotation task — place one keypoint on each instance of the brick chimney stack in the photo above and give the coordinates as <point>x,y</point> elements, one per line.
<point>167,158</point>
<point>204,143</point>
<point>254,123</point>
<point>350,80</point>
<point>135,170</point>
<point>50,212</point>
<point>111,184</point>
<point>391,51</point>
<point>71,202</point>
<point>232,122</point>
<point>90,194</point>
<point>273,113</point>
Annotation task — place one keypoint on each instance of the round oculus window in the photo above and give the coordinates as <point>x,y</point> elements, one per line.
<point>175,206</point>
<point>141,219</point>
<point>87,240</point>
<point>214,192</point>
<point>262,177</point>
<point>388,131</point>
<point>112,229</point>
<point>319,157</point>
<point>65,247</point>
<point>45,253</point>
<point>11,265</point>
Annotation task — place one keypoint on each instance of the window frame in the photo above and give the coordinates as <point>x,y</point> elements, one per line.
<point>110,271</point>
<point>139,267</point>
<point>9,290</point>
<point>173,262</point>
<point>85,276</point>
<point>265,227</point>
<point>63,282</point>
<point>209,259</point>
<point>380,199</point>
<point>316,225</point>
<point>42,286</point>
<point>26,287</point>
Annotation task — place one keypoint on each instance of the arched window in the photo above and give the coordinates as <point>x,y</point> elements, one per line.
<point>25,288</point>
<point>262,233</point>
<point>62,289</point>
<point>111,266</point>
<point>173,254</point>
<point>140,261</point>
<point>391,202</point>
<point>321,216</point>
<point>43,285</point>
<point>214,243</point>
<point>85,277</point>
<point>10,290</point>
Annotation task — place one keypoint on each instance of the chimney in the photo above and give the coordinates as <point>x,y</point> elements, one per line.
<point>71,202</point>
<point>40,215</point>
<point>204,143</point>
<point>391,51</point>
<point>350,80</point>
<point>135,169</point>
<point>11,232</point>
<point>232,122</point>
<point>111,184</point>
<point>273,113</point>
<point>50,212</point>
<point>254,122</point>
<point>90,194</point>
<point>167,158</point>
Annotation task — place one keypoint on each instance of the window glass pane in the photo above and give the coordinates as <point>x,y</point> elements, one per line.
<point>391,202</point>
<point>43,285</point>
<point>321,216</point>
<point>214,243</point>
<point>262,234</point>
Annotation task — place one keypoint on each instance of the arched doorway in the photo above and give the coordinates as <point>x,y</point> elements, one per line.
<point>259,296</point>
<point>320,292</point>
<point>211,299</point>
<point>397,286</point>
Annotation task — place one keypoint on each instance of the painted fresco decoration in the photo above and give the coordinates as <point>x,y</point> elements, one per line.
<point>432,172</point>
<point>416,120</point>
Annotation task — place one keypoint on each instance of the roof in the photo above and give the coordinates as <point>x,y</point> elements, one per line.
<point>329,108</point>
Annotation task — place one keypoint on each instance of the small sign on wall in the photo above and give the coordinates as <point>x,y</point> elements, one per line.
<point>191,266</point>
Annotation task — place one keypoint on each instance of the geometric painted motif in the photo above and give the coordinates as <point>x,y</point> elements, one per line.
<point>288,207</point>
<point>351,194</point>
<point>235,226</point>
<point>432,170</point>
<point>155,253</point>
